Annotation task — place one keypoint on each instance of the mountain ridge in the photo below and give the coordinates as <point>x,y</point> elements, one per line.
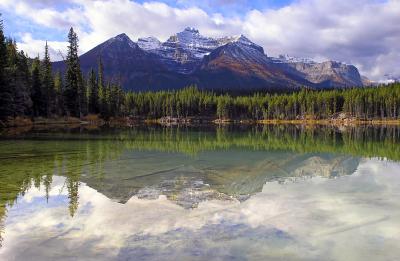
<point>226,63</point>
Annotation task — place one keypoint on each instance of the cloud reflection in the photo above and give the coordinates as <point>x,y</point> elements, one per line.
<point>349,218</point>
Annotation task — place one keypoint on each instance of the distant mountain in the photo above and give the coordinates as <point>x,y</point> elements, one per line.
<point>228,63</point>
<point>242,65</point>
<point>327,74</point>
<point>124,61</point>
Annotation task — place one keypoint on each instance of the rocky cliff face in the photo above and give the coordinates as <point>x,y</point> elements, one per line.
<point>227,63</point>
<point>329,74</point>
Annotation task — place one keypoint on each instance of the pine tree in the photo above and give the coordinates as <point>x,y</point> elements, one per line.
<point>73,78</point>
<point>59,89</point>
<point>5,92</point>
<point>25,83</point>
<point>82,96</point>
<point>101,89</point>
<point>48,84</point>
<point>37,97</point>
<point>100,73</point>
<point>107,101</point>
<point>93,93</point>
<point>18,82</point>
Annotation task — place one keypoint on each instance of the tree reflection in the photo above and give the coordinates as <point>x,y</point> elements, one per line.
<point>27,164</point>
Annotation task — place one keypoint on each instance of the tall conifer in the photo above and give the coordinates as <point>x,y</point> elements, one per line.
<point>73,78</point>
<point>48,83</point>
<point>5,92</point>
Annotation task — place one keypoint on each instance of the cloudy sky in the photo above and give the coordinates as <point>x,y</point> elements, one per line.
<point>365,33</point>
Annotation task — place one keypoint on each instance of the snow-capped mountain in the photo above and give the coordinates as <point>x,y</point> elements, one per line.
<point>185,50</point>
<point>189,40</point>
<point>226,63</point>
<point>181,51</point>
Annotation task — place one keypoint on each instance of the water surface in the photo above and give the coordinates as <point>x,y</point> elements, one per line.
<point>191,193</point>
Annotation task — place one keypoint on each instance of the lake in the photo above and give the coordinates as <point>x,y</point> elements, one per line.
<point>200,193</point>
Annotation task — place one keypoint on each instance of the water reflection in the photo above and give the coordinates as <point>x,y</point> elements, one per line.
<point>195,194</point>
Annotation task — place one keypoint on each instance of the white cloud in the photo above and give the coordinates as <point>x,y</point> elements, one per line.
<point>35,47</point>
<point>361,32</point>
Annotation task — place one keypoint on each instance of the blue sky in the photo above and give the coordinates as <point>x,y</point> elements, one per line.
<point>360,32</point>
<point>231,8</point>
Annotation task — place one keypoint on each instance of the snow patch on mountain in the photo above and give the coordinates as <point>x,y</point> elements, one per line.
<point>191,40</point>
<point>285,58</point>
<point>149,43</point>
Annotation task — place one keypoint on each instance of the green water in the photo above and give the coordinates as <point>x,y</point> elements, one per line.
<point>200,193</point>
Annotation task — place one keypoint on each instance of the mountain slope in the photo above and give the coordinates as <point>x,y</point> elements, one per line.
<point>124,61</point>
<point>227,63</point>
<point>242,65</point>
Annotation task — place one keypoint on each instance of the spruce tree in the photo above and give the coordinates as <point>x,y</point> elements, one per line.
<point>59,89</point>
<point>101,73</point>
<point>48,83</point>
<point>101,88</point>
<point>37,97</point>
<point>5,91</point>
<point>24,83</point>
<point>18,80</point>
<point>82,94</point>
<point>73,78</point>
<point>93,93</point>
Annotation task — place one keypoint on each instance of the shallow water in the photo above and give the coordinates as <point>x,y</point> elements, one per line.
<point>227,193</point>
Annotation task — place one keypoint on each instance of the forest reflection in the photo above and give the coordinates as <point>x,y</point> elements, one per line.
<point>32,157</point>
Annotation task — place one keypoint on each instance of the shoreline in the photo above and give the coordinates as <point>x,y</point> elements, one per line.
<point>126,121</point>
<point>332,122</point>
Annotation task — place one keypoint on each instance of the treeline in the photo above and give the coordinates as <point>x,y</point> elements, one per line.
<point>30,88</point>
<point>362,103</point>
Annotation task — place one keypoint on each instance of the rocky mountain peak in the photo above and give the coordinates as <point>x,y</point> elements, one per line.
<point>191,38</point>
<point>242,41</point>
<point>121,37</point>
<point>121,40</point>
<point>191,30</point>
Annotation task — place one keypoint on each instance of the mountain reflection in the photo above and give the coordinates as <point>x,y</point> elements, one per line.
<point>187,165</point>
